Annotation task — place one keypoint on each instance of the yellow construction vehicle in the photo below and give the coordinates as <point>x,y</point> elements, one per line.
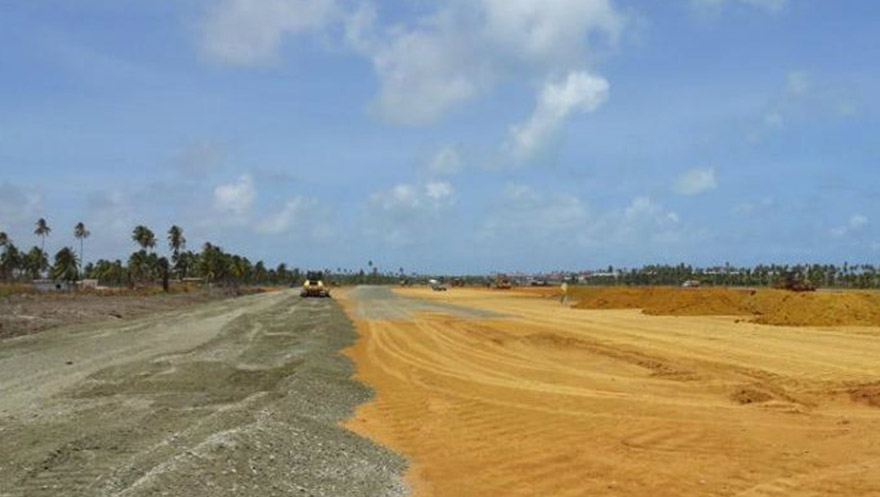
<point>501,282</point>
<point>314,285</point>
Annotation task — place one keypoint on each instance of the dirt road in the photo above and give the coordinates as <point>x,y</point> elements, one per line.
<point>241,397</point>
<point>546,400</point>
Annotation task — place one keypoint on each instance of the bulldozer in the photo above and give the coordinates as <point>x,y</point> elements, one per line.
<point>314,285</point>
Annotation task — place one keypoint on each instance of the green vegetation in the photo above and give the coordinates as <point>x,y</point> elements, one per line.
<point>863,276</point>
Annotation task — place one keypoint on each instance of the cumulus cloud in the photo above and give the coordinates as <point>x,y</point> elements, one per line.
<point>289,216</point>
<point>446,161</point>
<point>248,32</point>
<point>696,181</point>
<point>235,198</point>
<point>439,191</point>
<point>407,213</point>
<point>549,30</point>
<point>457,51</point>
<point>855,223</point>
<point>527,216</point>
<point>460,50</point>
<point>579,92</point>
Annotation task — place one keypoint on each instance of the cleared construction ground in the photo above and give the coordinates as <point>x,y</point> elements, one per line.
<point>506,393</point>
<point>241,397</point>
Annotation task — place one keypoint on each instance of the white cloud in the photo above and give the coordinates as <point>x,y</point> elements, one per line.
<point>407,213</point>
<point>446,161</point>
<point>425,71</point>
<point>527,217</point>
<point>439,191</point>
<point>235,198</point>
<point>579,92</point>
<point>549,30</point>
<point>696,181</point>
<point>462,48</point>
<point>855,223</point>
<point>289,216</point>
<point>247,32</point>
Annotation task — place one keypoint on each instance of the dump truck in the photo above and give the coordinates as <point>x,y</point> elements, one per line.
<point>314,285</point>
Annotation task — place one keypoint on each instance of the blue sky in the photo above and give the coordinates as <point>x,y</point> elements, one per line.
<point>460,136</point>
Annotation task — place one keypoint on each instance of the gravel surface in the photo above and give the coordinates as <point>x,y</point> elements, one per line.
<point>241,397</point>
<point>23,314</point>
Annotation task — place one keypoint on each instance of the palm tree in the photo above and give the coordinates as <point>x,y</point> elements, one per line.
<point>10,261</point>
<point>81,233</point>
<point>42,231</point>
<point>65,267</point>
<point>144,237</point>
<point>35,262</point>
<point>176,241</point>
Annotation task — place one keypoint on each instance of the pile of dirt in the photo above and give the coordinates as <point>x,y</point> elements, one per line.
<point>765,306</point>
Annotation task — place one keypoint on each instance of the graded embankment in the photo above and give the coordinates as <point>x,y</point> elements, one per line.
<point>554,401</point>
<point>777,307</point>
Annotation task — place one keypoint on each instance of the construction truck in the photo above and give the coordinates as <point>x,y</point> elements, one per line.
<point>314,285</point>
<point>437,285</point>
<point>501,282</point>
<point>794,282</point>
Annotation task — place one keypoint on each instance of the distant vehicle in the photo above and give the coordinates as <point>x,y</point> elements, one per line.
<point>502,282</point>
<point>691,284</point>
<point>314,285</point>
<point>438,286</point>
<point>794,282</point>
<point>458,282</point>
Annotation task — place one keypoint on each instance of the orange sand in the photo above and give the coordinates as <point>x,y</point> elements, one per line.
<point>552,401</point>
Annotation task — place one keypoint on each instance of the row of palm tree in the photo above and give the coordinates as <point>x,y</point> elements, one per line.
<point>34,263</point>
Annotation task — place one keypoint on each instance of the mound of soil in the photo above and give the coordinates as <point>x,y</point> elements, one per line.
<point>765,306</point>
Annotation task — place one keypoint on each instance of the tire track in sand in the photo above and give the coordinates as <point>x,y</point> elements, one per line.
<point>552,401</point>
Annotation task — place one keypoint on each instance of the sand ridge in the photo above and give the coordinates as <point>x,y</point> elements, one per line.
<point>765,306</point>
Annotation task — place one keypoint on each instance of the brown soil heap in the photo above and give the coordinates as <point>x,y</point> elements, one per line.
<point>777,307</point>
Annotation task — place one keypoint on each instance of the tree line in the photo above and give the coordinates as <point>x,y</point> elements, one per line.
<point>861,276</point>
<point>143,267</point>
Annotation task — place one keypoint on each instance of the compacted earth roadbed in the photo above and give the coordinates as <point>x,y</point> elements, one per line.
<point>241,397</point>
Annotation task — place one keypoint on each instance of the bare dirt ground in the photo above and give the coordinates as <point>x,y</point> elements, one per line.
<point>238,397</point>
<point>553,401</point>
<point>25,313</point>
